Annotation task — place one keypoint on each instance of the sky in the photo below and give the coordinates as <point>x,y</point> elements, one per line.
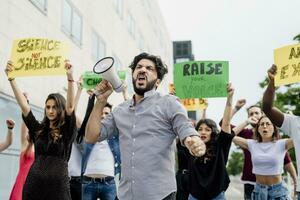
<point>244,32</point>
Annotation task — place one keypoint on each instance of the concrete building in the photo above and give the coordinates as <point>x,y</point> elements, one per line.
<point>93,29</point>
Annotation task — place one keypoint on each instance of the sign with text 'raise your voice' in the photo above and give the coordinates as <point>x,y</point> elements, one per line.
<point>201,79</point>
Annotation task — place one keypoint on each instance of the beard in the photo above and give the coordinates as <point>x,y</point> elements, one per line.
<point>141,91</point>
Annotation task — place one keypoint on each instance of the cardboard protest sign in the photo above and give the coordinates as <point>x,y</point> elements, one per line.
<point>287,60</point>
<point>201,79</point>
<point>91,79</point>
<point>38,57</point>
<point>194,104</point>
<point>190,104</point>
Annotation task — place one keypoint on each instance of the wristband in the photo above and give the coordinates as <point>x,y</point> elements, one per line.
<point>10,128</point>
<point>71,80</point>
<point>11,79</point>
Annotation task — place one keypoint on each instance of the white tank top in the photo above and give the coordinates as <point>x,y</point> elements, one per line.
<point>267,157</point>
<point>74,165</point>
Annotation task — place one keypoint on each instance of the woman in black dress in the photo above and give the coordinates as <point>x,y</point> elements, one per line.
<point>48,176</point>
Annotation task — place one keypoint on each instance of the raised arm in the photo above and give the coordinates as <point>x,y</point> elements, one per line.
<point>9,138</point>
<point>239,141</point>
<point>239,104</point>
<point>78,93</point>
<point>21,99</point>
<point>227,112</point>
<point>93,127</point>
<point>204,109</point>
<point>275,115</point>
<point>240,127</point>
<point>70,103</point>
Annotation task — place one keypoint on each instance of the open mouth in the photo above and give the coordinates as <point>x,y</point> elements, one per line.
<point>141,79</point>
<point>203,137</point>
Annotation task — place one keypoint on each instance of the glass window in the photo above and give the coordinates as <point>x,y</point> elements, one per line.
<point>40,4</point>
<point>131,25</point>
<point>98,47</point>
<point>119,7</point>
<point>72,22</point>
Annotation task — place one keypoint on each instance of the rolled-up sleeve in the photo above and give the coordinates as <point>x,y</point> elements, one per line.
<point>182,126</point>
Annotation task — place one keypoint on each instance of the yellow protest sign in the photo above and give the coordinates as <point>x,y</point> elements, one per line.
<point>194,104</point>
<point>287,60</point>
<point>36,56</point>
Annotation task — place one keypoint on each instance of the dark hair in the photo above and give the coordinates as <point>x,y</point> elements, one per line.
<point>254,106</point>
<point>108,105</point>
<point>258,137</point>
<point>210,145</point>
<point>161,68</point>
<point>60,102</point>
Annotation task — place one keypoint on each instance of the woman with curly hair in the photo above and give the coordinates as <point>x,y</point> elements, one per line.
<point>52,139</point>
<point>207,175</point>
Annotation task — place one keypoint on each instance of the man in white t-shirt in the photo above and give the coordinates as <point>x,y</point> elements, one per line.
<point>103,163</point>
<point>289,124</point>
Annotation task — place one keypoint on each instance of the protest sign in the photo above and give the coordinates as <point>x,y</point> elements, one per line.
<point>287,60</point>
<point>201,79</point>
<point>37,57</point>
<point>91,79</point>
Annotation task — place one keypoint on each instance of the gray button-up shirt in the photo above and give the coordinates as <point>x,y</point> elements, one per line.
<point>147,143</point>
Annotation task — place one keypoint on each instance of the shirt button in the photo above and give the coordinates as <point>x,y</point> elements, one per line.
<point>132,181</point>
<point>133,139</point>
<point>133,153</point>
<point>133,125</point>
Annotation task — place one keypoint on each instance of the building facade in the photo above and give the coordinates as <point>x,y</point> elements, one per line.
<point>93,29</point>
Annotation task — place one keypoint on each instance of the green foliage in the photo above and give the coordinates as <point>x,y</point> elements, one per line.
<point>297,38</point>
<point>235,163</point>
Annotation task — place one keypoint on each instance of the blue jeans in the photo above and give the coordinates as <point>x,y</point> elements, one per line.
<point>298,195</point>
<point>104,190</point>
<point>220,196</point>
<point>272,192</point>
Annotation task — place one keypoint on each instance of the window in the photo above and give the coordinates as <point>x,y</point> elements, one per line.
<point>72,22</point>
<point>131,25</point>
<point>40,4</point>
<point>98,47</point>
<point>119,7</point>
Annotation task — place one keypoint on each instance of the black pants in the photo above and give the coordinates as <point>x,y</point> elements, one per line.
<point>75,188</point>
<point>182,179</point>
<point>248,188</point>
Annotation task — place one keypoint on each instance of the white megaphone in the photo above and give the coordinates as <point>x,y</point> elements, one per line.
<point>108,72</point>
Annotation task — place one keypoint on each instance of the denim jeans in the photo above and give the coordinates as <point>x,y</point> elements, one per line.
<point>298,195</point>
<point>104,190</point>
<point>273,192</point>
<point>248,189</point>
<point>220,196</point>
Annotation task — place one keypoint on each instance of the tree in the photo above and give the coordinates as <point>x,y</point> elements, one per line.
<point>235,163</point>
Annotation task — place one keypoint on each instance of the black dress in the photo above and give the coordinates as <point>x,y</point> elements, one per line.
<point>48,176</point>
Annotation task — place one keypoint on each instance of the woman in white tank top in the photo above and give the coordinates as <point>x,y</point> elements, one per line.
<point>267,153</point>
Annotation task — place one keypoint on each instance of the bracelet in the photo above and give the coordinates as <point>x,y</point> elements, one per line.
<point>10,128</point>
<point>11,79</point>
<point>71,80</point>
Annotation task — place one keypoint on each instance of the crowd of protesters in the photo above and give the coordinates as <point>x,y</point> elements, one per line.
<point>128,152</point>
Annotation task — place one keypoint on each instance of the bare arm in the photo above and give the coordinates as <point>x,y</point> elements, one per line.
<point>275,115</point>
<point>290,168</point>
<point>289,144</point>
<point>227,112</point>
<point>242,142</point>
<point>70,103</point>
<point>21,99</point>
<point>93,126</point>
<point>240,127</point>
<point>78,93</point>
<point>9,138</point>
<point>239,104</point>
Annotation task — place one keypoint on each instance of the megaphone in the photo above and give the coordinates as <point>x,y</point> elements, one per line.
<point>108,72</point>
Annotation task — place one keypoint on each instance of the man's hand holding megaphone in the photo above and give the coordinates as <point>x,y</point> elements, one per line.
<point>103,90</point>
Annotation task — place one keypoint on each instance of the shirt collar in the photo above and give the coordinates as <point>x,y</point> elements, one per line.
<point>146,95</point>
